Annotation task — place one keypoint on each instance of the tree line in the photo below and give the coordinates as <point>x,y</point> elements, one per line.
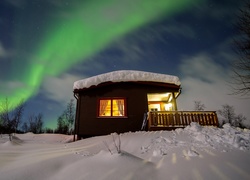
<point>226,114</point>
<point>65,121</point>
<point>11,120</point>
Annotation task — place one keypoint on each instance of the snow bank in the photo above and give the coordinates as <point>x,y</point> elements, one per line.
<point>227,137</point>
<point>195,152</point>
<point>125,76</point>
<point>195,139</point>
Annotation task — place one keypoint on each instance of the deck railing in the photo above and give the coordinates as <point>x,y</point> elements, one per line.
<point>174,119</point>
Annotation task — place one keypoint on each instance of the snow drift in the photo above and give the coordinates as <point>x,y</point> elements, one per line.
<point>192,153</point>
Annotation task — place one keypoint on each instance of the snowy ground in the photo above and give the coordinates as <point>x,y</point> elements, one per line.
<point>193,153</point>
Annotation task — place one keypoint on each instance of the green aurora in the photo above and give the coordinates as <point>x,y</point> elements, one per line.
<point>88,28</point>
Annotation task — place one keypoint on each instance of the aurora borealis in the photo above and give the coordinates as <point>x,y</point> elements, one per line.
<point>45,45</point>
<point>90,27</point>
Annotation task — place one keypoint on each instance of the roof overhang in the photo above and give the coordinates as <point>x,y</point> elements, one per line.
<point>172,86</point>
<point>127,76</point>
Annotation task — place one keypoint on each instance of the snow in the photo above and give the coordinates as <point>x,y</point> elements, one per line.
<point>195,152</point>
<point>126,76</point>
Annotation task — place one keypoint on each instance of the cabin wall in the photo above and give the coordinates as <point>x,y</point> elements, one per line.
<point>88,122</point>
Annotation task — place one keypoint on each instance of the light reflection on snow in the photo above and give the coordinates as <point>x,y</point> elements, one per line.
<point>217,171</point>
<point>185,154</point>
<point>174,159</point>
<point>159,164</point>
<point>237,169</point>
<point>196,174</point>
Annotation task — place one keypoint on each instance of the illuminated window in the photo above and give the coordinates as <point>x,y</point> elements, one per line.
<point>112,107</point>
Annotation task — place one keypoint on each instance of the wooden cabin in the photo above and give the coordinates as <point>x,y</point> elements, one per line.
<point>123,101</point>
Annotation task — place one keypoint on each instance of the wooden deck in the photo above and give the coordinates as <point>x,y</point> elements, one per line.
<point>168,120</point>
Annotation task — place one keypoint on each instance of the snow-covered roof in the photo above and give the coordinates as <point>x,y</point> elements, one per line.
<point>126,76</point>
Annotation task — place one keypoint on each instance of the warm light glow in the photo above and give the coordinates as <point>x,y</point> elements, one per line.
<point>114,107</point>
<point>168,107</point>
<point>160,102</point>
<point>154,107</point>
<point>105,108</point>
<point>170,98</point>
<point>118,107</point>
<point>158,97</point>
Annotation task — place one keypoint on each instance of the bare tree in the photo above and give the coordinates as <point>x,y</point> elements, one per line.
<point>17,114</point>
<point>49,130</point>
<point>62,125</point>
<point>31,124</point>
<point>241,67</point>
<point>65,121</point>
<point>25,127</point>
<point>228,115</point>
<point>5,116</point>
<point>199,106</point>
<point>39,123</point>
<point>239,120</point>
<point>11,118</point>
<point>35,123</point>
<point>70,114</point>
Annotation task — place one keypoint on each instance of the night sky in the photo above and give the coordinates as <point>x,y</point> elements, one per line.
<point>46,45</point>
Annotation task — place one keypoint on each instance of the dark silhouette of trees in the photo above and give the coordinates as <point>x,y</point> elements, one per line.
<point>199,106</point>
<point>241,67</point>
<point>48,130</point>
<point>10,118</point>
<point>70,115</point>
<point>18,113</point>
<point>65,121</point>
<point>62,125</point>
<point>5,118</point>
<point>228,115</point>
<point>34,124</point>
<point>25,127</point>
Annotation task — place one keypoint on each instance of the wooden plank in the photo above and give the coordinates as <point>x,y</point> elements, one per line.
<point>209,119</point>
<point>171,118</point>
<point>155,119</point>
<point>168,120</point>
<point>216,122</point>
<point>177,117</point>
<point>188,119</point>
<point>164,119</point>
<point>200,116</point>
<point>212,119</point>
<point>181,118</point>
<point>205,119</point>
<point>160,119</point>
<point>194,118</point>
<point>149,120</point>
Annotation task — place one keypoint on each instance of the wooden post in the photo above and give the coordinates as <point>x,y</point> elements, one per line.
<point>215,119</point>
<point>177,117</point>
<point>167,119</point>
<point>149,120</point>
<point>174,100</point>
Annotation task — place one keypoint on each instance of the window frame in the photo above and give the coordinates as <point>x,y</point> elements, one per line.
<point>111,99</point>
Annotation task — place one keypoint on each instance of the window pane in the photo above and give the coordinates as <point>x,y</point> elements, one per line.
<point>118,107</point>
<point>105,108</point>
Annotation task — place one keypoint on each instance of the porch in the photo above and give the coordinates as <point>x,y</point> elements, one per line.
<point>168,120</point>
